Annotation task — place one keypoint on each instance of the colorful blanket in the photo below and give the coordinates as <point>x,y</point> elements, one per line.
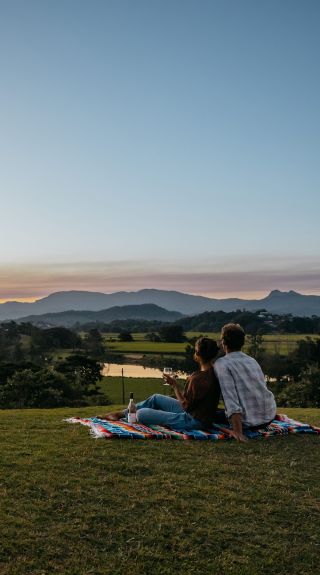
<point>282,425</point>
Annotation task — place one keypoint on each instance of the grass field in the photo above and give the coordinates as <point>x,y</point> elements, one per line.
<point>282,343</point>
<point>72,505</point>
<point>140,387</point>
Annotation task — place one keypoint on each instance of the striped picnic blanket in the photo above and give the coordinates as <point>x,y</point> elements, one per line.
<point>282,425</point>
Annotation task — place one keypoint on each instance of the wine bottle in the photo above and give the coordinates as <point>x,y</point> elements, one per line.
<point>132,410</point>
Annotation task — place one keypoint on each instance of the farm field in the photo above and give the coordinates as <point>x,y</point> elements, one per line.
<point>72,505</point>
<point>283,343</point>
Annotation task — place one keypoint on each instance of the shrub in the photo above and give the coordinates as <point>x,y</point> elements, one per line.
<point>302,393</point>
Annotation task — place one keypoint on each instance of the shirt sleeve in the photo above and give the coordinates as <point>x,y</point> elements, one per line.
<point>228,388</point>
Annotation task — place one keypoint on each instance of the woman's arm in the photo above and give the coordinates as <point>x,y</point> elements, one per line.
<point>175,386</point>
<point>194,391</point>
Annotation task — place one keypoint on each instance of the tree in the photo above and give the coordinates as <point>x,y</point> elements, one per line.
<point>255,348</point>
<point>276,366</point>
<point>94,344</point>
<point>305,392</point>
<point>308,350</point>
<point>189,364</point>
<point>55,337</point>
<point>84,372</point>
<point>307,353</point>
<point>172,333</point>
<point>71,382</point>
<point>27,388</point>
<point>125,336</point>
<point>153,337</point>
<point>17,353</point>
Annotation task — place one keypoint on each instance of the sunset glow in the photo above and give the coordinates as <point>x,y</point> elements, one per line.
<point>216,279</point>
<point>22,299</point>
<point>175,148</point>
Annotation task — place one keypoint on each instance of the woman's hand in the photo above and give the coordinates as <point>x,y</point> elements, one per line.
<point>169,380</point>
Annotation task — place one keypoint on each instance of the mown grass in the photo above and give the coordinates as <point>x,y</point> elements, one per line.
<point>73,505</point>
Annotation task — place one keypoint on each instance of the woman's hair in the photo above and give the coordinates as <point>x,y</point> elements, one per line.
<point>207,348</point>
<point>233,336</point>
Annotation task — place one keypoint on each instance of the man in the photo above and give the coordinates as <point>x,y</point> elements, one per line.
<point>248,402</point>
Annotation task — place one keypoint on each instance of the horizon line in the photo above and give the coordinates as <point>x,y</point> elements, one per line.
<point>253,295</point>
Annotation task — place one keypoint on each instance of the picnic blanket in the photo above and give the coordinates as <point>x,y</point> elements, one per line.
<point>281,425</point>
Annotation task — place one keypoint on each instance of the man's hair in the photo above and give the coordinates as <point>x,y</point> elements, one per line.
<point>207,348</point>
<point>233,336</point>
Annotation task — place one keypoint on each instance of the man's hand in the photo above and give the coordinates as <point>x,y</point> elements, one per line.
<point>238,436</point>
<point>236,430</point>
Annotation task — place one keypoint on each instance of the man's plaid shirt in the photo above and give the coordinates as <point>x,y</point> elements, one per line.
<point>244,389</point>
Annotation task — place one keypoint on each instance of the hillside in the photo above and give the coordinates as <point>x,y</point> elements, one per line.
<point>186,304</point>
<point>70,318</point>
<point>74,505</point>
<point>149,317</point>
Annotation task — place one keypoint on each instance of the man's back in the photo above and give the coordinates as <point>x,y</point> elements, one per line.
<point>244,389</point>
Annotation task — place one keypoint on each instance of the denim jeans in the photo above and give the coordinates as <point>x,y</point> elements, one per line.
<point>163,410</point>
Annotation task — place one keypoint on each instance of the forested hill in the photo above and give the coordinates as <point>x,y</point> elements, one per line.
<point>252,322</point>
<point>150,318</point>
<point>73,318</point>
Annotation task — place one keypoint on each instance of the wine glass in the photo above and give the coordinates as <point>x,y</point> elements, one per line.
<point>167,371</point>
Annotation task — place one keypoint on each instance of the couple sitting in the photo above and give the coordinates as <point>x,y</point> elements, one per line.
<point>248,402</point>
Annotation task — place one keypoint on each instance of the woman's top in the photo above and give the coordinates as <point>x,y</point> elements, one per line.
<point>201,395</point>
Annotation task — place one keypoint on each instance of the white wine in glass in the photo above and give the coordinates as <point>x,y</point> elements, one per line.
<point>167,371</point>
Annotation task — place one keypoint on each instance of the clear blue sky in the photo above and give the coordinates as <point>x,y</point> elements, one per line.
<point>167,143</point>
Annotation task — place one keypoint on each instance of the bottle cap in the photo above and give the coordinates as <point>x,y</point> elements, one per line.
<point>131,395</point>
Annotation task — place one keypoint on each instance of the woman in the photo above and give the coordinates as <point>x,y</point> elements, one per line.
<point>193,408</point>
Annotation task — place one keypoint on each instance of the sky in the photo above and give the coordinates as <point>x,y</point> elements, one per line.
<point>171,144</point>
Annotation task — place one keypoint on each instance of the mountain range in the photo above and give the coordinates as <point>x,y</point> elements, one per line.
<point>276,302</point>
<point>147,311</point>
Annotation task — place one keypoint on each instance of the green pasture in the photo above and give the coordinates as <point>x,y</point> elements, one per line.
<point>141,387</point>
<point>282,343</point>
<point>147,347</point>
<point>73,505</point>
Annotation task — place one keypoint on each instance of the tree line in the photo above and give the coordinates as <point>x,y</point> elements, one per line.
<point>34,371</point>
<point>259,321</point>
<point>295,377</point>
<point>32,375</point>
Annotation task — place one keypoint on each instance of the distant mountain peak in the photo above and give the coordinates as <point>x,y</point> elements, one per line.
<point>279,293</point>
<point>277,301</point>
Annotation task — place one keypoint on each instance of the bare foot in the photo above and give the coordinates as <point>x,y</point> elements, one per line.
<point>112,416</point>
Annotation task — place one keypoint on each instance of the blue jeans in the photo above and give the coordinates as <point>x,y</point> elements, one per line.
<point>163,410</point>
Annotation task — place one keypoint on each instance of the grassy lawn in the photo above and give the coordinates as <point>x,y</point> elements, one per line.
<point>72,505</point>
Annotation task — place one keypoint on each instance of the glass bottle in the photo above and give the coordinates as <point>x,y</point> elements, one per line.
<point>132,410</point>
